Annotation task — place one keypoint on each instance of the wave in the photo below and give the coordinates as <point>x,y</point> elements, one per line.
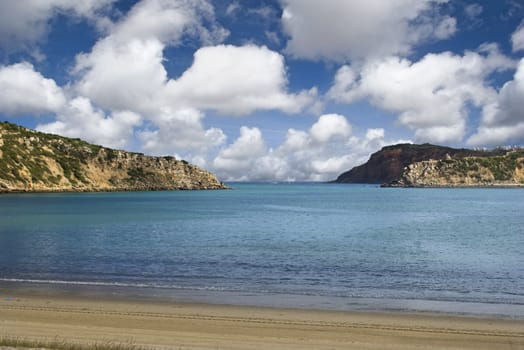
<point>80,283</point>
<point>268,292</point>
<point>132,285</point>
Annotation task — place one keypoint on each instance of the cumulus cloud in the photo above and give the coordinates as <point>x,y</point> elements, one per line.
<point>125,69</point>
<point>80,119</point>
<point>122,75</point>
<point>241,159</point>
<point>168,20</point>
<point>182,132</point>
<point>25,23</point>
<point>430,96</point>
<point>517,39</point>
<point>237,80</point>
<point>343,30</point>
<point>330,126</point>
<point>26,91</point>
<point>503,120</point>
<point>318,154</point>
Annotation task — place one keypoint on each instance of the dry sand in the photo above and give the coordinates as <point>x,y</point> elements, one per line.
<point>194,326</point>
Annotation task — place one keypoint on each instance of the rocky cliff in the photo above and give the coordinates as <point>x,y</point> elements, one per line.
<point>32,161</point>
<point>388,164</point>
<point>431,165</point>
<point>503,170</point>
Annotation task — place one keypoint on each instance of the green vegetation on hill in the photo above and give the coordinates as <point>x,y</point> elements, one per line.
<point>36,161</point>
<point>501,168</point>
<point>432,165</point>
<point>26,148</point>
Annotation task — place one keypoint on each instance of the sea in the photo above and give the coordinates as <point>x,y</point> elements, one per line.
<point>291,245</point>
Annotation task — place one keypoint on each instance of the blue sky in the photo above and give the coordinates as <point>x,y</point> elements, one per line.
<point>266,89</point>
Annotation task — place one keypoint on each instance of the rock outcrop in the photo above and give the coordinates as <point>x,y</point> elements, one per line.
<point>429,165</point>
<point>32,161</point>
<point>505,170</point>
<point>388,164</point>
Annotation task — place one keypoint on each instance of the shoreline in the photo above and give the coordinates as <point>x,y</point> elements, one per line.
<point>458,186</point>
<point>186,295</point>
<point>109,190</point>
<point>155,324</point>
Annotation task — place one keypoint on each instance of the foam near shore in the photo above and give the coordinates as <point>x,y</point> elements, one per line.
<point>84,320</point>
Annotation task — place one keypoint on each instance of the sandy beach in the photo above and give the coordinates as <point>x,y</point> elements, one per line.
<point>198,326</point>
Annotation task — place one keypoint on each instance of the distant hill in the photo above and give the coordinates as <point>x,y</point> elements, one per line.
<point>32,161</point>
<point>432,165</point>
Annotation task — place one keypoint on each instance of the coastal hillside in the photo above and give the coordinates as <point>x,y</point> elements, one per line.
<point>32,161</point>
<point>501,170</point>
<point>432,165</point>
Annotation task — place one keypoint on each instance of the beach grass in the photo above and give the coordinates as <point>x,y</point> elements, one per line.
<point>61,344</point>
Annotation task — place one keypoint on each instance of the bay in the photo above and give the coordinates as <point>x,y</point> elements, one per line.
<point>284,244</point>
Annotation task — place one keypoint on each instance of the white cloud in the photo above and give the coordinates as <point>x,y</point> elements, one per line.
<point>344,30</point>
<point>502,135</point>
<point>430,96</point>
<point>80,119</point>
<point>239,159</point>
<point>167,20</point>
<point>25,91</point>
<point>181,132</point>
<point>237,80</point>
<point>319,154</point>
<point>125,69</point>
<point>126,75</point>
<point>25,23</point>
<point>503,120</point>
<point>517,39</point>
<point>330,126</point>
<point>374,134</point>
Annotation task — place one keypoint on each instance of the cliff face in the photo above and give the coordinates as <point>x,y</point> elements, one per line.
<point>504,170</point>
<point>388,164</point>
<point>407,165</point>
<point>33,161</point>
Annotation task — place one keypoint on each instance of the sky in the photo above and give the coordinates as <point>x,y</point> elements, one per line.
<point>266,90</point>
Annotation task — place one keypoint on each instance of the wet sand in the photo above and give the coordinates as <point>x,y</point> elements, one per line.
<point>200,326</point>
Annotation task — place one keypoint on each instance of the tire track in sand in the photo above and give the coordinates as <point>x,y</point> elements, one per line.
<point>266,321</point>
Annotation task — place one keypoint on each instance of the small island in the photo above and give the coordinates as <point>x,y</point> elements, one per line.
<point>426,165</point>
<point>32,161</point>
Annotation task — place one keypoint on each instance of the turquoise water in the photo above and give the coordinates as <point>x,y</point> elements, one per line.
<point>311,245</point>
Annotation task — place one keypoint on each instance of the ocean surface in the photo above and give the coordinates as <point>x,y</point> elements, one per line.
<point>312,245</point>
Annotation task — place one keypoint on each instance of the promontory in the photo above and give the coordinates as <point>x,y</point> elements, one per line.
<point>32,161</point>
<point>426,165</point>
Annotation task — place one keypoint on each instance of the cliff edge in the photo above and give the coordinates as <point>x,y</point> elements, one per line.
<point>31,161</point>
<point>426,165</point>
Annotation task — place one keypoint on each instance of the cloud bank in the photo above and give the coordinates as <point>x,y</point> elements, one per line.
<point>343,30</point>
<point>429,96</point>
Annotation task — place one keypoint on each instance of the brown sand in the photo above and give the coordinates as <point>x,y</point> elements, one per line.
<point>193,326</point>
